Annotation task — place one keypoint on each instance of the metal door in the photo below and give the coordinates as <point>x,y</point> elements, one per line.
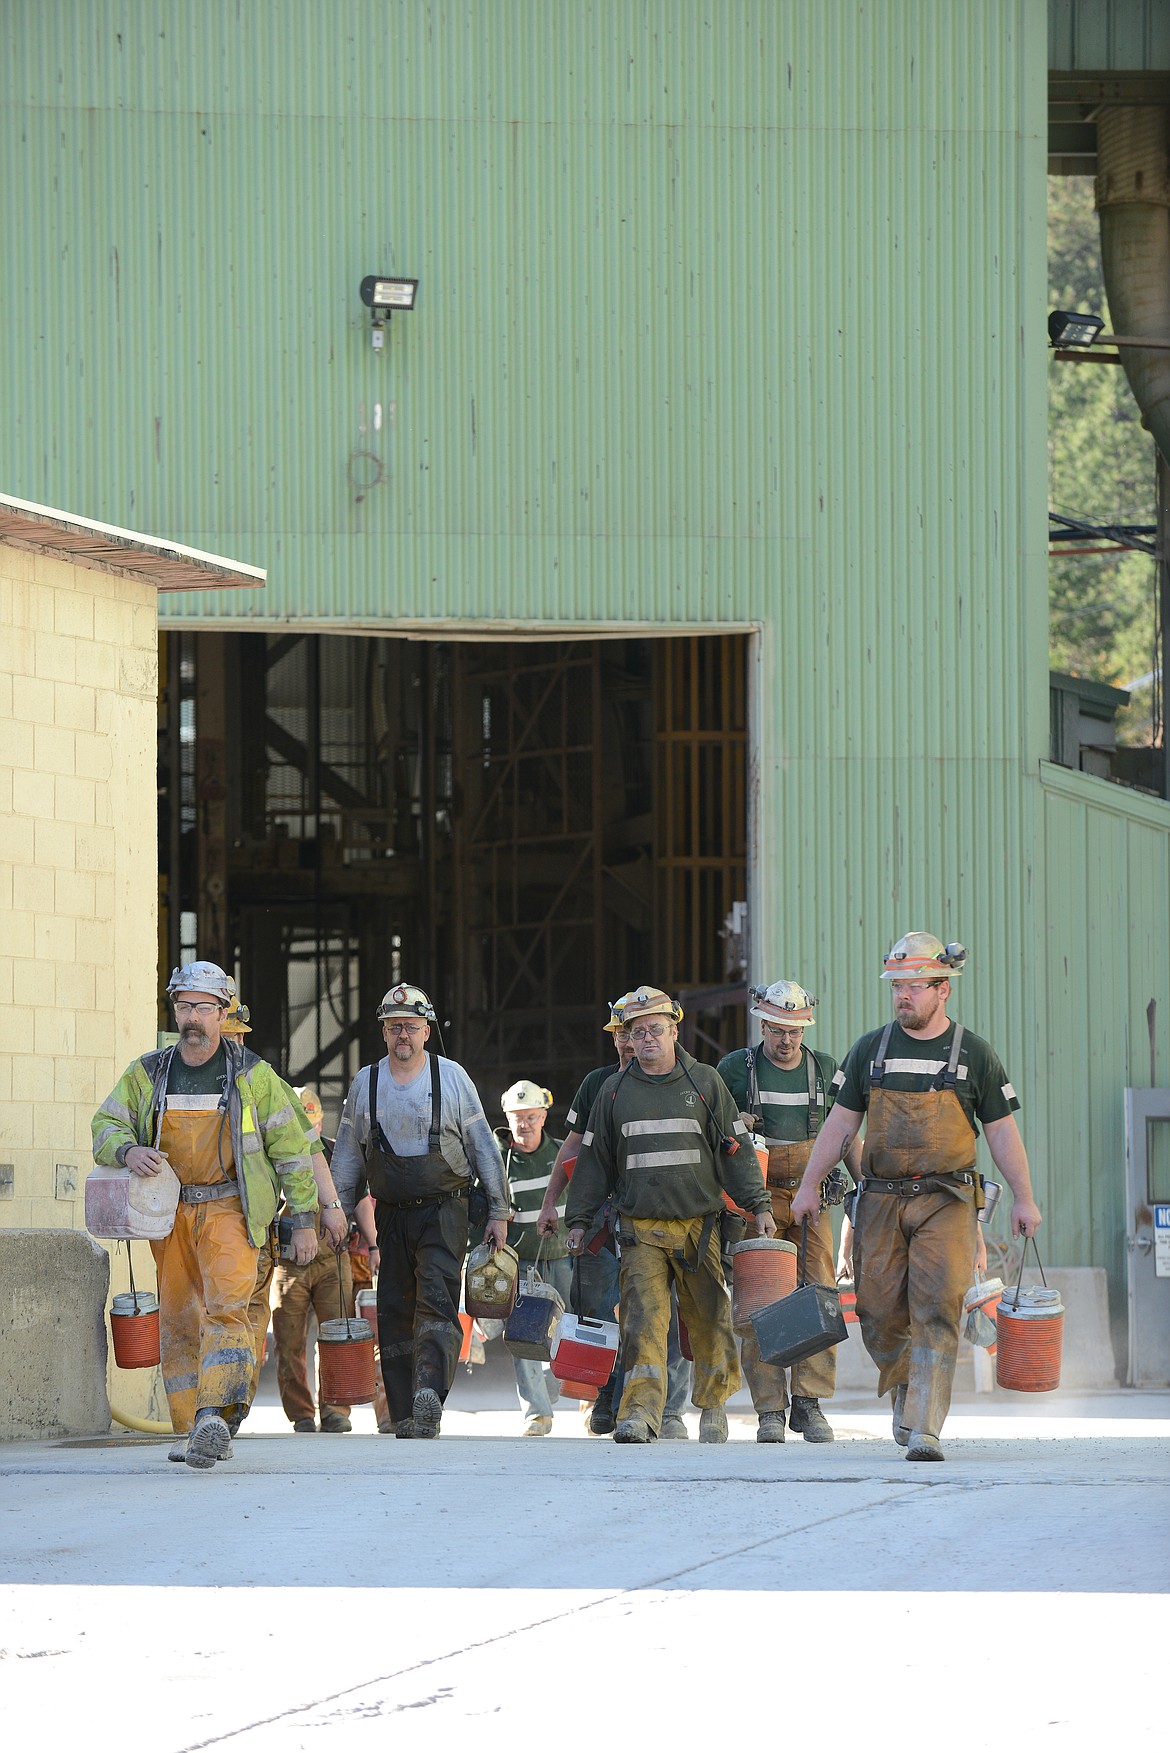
<point>1147,1219</point>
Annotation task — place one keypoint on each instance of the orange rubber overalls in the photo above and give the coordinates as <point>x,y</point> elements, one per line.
<point>206,1271</point>
<point>912,1250</point>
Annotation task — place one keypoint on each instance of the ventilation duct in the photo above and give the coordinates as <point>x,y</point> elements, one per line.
<point>1133,201</point>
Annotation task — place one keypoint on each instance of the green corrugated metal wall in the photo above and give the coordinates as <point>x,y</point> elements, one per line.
<point>730,315</point>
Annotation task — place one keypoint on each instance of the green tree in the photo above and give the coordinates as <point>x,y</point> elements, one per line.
<point>1100,469</point>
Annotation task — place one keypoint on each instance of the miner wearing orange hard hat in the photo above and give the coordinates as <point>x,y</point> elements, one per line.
<point>922,1084</point>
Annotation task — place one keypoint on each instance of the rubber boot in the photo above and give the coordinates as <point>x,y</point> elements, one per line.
<point>713,1425</point>
<point>632,1430</point>
<point>674,1429</point>
<point>209,1442</point>
<point>806,1417</point>
<point>601,1416</point>
<point>771,1428</point>
<point>427,1410</point>
<point>921,1446</point>
<point>901,1434</point>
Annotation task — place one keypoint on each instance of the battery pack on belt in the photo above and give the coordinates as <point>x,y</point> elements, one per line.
<point>201,1195</point>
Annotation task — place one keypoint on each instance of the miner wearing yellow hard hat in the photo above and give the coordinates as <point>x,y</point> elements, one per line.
<point>922,1084</point>
<point>221,1117</point>
<point>784,1089</point>
<point>413,1129</point>
<point>664,1138</point>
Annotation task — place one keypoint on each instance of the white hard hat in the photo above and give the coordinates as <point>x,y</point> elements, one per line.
<point>784,1003</point>
<point>919,954</point>
<point>202,977</point>
<point>646,1001</point>
<point>524,1094</point>
<point>404,1000</point>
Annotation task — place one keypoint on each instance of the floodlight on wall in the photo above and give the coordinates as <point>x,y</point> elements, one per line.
<point>1073,328</point>
<point>384,294</point>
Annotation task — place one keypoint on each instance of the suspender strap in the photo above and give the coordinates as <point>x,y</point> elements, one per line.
<point>753,1084</point>
<point>815,1094</point>
<point>436,1105</point>
<point>878,1069</point>
<point>950,1076</point>
<point>709,1222</point>
<point>377,1136</point>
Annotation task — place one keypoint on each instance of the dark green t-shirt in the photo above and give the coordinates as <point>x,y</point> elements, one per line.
<point>197,1080</point>
<point>577,1119</point>
<point>783,1094</point>
<point>981,1082</point>
<point>528,1172</point>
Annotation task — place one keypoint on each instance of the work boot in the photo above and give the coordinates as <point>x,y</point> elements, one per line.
<point>538,1425</point>
<point>335,1423</point>
<point>921,1446</point>
<point>427,1410</point>
<point>209,1442</point>
<point>632,1430</point>
<point>404,1427</point>
<point>674,1429</point>
<point>901,1434</point>
<point>713,1425</point>
<point>806,1417</point>
<point>771,1428</point>
<point>178,1450</point>
<point>305,1426</point>
<point>601,1417</point>
<point>386,1428</point>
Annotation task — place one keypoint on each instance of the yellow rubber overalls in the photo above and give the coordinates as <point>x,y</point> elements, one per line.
<point>814,1377</point>
<point>912,1250</point>
<point>206,1270</point>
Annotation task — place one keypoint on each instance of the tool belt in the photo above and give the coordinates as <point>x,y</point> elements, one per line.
<point>906,1186</point>
<point>426,1199</point>
<point>215,1190</point>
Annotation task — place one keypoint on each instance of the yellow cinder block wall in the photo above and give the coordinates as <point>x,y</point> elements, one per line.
<point>78,883</point>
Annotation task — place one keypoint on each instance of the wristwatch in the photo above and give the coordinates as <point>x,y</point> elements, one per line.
<point>332,1205</point>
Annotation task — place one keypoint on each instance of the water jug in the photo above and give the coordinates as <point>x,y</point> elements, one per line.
<point>345,1359</point>
<point>492,1274</point>
<point>763,1271</point>
<point>134,1329</point>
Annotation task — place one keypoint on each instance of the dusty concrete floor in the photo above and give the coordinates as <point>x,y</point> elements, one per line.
<point>326,1592</point>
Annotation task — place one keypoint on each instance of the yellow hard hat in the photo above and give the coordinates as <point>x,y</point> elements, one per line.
<point>613,1025</point>
<point>784,1003</point>
<point>646,1001</point>
<point>919,955</point>
<point>311,1102</point>
<point>237,1019</point>
<point>406,1000</point>
<point>524,1094</point>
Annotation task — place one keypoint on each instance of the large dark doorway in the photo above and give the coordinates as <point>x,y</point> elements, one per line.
<point>525,829</point>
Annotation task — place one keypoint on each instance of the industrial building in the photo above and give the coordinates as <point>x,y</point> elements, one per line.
<point>662,595</point>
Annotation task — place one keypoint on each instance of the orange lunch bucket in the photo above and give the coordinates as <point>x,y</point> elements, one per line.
<point>1029,1326</point>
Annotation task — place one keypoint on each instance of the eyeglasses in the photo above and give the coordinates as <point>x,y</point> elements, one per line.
<point>914,985</point>
<point>649,1032</point>
<point>783,1028</point>
<point>199,1010</point>
<point>406,1028</point>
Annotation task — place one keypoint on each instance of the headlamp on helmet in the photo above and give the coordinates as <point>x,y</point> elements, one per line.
<point>615,1023</point>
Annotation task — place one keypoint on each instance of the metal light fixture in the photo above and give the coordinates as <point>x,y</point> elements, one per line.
<point>384,294</point>
<point>1073,328</point>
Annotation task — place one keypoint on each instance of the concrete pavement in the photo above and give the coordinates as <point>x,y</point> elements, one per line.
<point>317,1592</point>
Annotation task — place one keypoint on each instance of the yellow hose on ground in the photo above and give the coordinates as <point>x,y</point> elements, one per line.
<point>149,1426</point>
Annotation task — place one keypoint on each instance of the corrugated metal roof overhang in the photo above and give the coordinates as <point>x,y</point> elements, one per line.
<point>102,547</point>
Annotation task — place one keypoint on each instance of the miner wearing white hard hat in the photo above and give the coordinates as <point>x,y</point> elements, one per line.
<point>222,1119</point>
<point>663,1140</point>
<point>784,1090</point>
<point>414,1131</point>
<point>923,1084</point>
<point>529,1156</point>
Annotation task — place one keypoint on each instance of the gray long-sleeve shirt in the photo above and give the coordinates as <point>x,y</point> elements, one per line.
<point>404,1113</point>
